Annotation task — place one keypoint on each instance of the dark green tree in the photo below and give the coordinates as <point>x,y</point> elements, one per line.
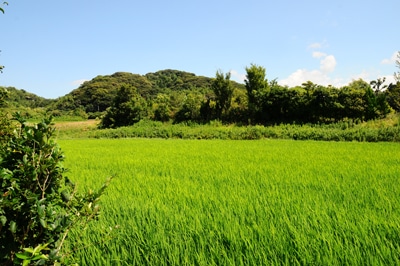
<point>393,96</point>
<point>325,106</point>
<point>238,109</point>
<point>190,108</point>
<point>162,107</point>
<point>382,105</point>
<point>370,101</point>
<point>276,105</point>
<point>392,92</point>
<point>6,128</point>
<point>257,91</point>
<point>127,108</point>
<point>352,99</point>
<point>223,90</point>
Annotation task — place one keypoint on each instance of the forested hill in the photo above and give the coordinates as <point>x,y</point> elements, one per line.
<point>97,94</point>
<point>21,98</point>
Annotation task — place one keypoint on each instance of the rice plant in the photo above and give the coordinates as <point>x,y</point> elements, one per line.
<point>223,202</point>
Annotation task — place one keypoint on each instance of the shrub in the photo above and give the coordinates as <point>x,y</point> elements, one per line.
<point>38,204</point>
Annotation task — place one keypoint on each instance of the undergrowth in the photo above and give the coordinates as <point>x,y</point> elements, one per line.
<point>373,131</point>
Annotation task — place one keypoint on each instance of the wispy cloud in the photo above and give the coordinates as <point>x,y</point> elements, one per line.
<point>236,76</point>
<point>315,45</point>
<point>318,54</point>
<point>318,45</point>
<point>391,60</point>
<point>78,82</point>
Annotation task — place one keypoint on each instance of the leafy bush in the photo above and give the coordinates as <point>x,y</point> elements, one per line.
<point>38,204</point>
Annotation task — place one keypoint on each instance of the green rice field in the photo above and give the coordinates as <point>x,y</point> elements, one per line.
<point>224,202</point>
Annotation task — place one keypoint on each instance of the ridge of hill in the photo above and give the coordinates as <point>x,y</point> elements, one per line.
<point>97,94</point>
<point>22,98</point>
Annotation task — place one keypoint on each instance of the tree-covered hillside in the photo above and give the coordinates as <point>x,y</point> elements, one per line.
<point>21,98</point>
<point>28,104</point>
<point>96,95</point>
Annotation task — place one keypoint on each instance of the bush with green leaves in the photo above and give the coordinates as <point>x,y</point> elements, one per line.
<point>39,205</point>
<point>128,108</point>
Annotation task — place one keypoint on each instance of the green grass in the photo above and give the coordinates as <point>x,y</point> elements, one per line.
<point>262,202</point>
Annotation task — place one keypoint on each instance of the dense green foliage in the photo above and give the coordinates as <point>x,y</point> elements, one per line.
<point>343,131</point>
<point>6,128</point>
<point>263,202</point>
<point>127,108</point>
<point>223,90</point>
<point>28,104</point>
<point>177,96</point>
<point>22,98</point>
<point>38,205</point>
<point>181,96</point>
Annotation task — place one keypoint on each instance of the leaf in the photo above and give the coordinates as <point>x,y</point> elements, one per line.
<point>41,256</point>
<point>22,256</point>
<point>3,220</point>
<point>43,223</point>
<point>13,227</point>
<point>65,196</point>
<point>29,250</point>
<point>41,210</point>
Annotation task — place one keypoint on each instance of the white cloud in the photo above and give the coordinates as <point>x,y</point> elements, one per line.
<point>78,82</point>
<point>323,75</point>
<point>318,54</point>
<point>315,45</point>
<point>318,45</point>
<point>328,64</point>
<point>391,60</point>
<point>319,76</point>
<point>316,76</point>
<point>238,76</point>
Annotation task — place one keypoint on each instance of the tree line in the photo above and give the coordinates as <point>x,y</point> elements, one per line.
<point>124,98</point>
<point>259,101</point>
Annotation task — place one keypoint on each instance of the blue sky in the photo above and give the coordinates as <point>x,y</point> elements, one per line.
<point>49,47</point>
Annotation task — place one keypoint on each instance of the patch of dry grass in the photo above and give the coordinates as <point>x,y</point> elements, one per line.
<point>75,129</point>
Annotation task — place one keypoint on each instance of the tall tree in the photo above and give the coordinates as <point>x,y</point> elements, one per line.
<point>223,90</point>
<point>257,90</point>
<point>352,99</point>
